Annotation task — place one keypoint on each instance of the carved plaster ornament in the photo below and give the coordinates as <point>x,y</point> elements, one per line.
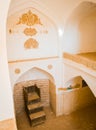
<point>50,66</point>
<point>17,70</point>
<point>31,43</point>
<point>30,31</point>
<point>29,19</point>
<point>10,31</point>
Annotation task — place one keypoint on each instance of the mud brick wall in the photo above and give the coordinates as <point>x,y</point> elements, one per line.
<point>43,84</point>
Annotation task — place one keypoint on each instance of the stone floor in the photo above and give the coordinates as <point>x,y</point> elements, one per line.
<point>84,119</point>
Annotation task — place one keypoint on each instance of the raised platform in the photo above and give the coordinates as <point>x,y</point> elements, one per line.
<point>87,59</point>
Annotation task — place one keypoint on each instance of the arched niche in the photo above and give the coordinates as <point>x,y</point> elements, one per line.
<point>43,80</point>
<point>78,95</point>
<point>74,82</point>
<point>77,82</point>
<point>35,73</point>
<point>80,29</point>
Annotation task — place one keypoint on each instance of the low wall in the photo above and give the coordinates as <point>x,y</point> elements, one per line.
<point>71,100</point>
<point>82,59</point>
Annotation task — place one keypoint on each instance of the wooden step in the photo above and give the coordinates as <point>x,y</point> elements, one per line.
<point>37,115</point>
<point>34,106</point>
<point>33,96</point>
<point>37,118</point>
<point>37,122</point>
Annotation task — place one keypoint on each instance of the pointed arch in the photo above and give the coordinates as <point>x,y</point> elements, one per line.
<point>80,81</point>
<point>43,80</point>
<point>74,81</point>
<point>33,72</point>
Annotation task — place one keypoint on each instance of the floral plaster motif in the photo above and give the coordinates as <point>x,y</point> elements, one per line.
<point>30,31</point>
<point>31,43</point>
<point>29,19</point>
<point>17,70</point>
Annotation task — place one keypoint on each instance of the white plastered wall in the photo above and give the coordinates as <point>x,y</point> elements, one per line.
<point>88,34</point>
<point>55,71</point>
<point>79,30</point>
<point>6,101</point>
<point>46,36</point>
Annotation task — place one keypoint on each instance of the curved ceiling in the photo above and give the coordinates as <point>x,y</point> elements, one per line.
<point>19,5</point>
<point>57,10</point>
<point>84,10</point>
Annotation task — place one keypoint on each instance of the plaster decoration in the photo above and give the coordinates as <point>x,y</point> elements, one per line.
<point>29,19</point>
<point>45,31</point>
<point>30,31</point>
<point>10,31</point>
<point>50,66</point>
<point>31,43</point>
<point>17,70</point>
<point>33,59</point>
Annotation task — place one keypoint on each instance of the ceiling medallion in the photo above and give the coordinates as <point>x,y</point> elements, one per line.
<point>30,31</point>
<point>31,43</point>
<point>29,19</point>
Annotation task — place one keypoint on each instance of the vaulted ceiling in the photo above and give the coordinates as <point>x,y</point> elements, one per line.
<point>59,10</point>
<point>84,10</point>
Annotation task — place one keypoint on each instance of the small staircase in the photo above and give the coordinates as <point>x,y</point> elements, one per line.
<point>33,105</point>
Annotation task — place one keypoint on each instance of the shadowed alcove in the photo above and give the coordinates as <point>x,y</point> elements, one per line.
<point>43,80</point>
